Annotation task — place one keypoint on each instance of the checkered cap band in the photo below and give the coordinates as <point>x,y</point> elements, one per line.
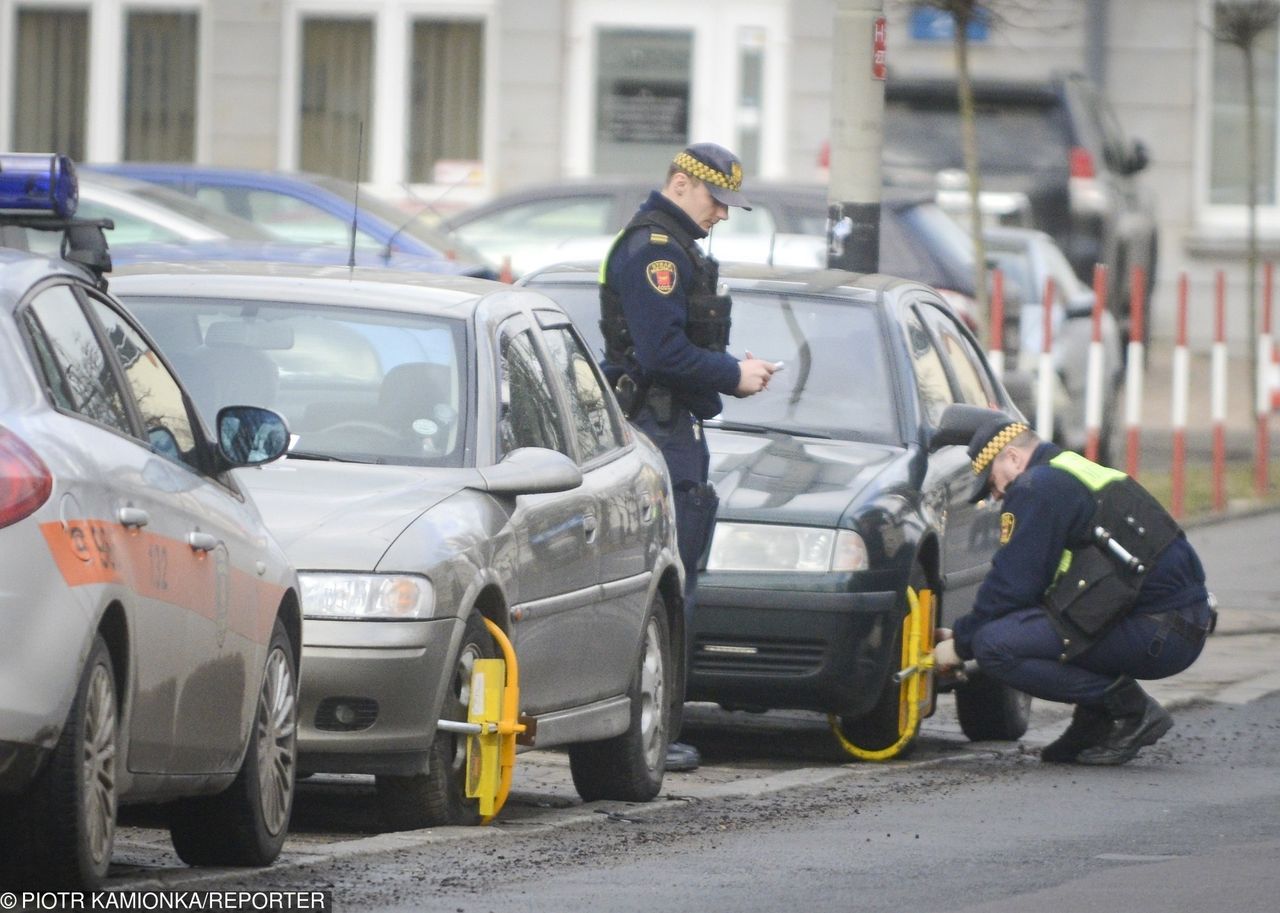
<point>997,443</point>
<point>704,172</point>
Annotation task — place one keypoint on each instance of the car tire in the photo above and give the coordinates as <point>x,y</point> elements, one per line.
<point>438,797</point>
<point>246,824</point>
<point>991,711</point>
<point>629,767</point>
<point>61,831</point>
<point>878,728</point>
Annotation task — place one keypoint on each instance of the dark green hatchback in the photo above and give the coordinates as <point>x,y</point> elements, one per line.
<point>831,504</point>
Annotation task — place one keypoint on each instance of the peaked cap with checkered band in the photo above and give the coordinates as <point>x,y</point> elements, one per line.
<point>987,432</point>
<point>718,168</point>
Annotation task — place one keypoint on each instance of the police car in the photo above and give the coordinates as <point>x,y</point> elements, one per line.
<point>151,625</point>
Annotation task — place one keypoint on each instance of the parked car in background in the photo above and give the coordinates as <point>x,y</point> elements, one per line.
<point>1028,259</point>
<point>143,213</point>
<point>1057,141</point>
<point>831,504</point>
<point>312,209</point>
<point>786,226</point>
<point>456,457</point>
<point>151,624</point>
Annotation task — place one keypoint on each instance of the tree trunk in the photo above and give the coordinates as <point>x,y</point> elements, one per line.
<point>1251,141</point>
<point>969,137</point>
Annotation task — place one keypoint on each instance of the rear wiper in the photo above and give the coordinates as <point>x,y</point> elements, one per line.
<point>765,429</point>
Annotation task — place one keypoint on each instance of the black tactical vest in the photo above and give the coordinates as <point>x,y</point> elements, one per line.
<point>707,317</point>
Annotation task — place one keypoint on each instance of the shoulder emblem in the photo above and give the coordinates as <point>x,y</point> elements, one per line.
<point>1006,527</point>
<point>662,276</point>
<point>657,237</point>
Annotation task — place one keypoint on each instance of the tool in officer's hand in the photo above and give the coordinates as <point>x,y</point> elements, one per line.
<point>1103,538</point>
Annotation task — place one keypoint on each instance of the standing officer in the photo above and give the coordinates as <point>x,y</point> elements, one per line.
<point>1094,585</point>
<point>666,332</point>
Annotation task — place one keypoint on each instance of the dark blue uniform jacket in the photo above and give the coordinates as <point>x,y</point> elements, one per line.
<point>1049,510</point>
<point>655,309</point>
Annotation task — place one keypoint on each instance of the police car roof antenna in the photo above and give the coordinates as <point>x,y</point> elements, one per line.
<point>355,203</point>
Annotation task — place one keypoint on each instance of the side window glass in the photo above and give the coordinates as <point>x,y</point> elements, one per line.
<point>164,414</point>
<point>594,423</point>
<point>931,376</point>
<point>529,414</point>
<point>75,369</point>
<point>975,386</point>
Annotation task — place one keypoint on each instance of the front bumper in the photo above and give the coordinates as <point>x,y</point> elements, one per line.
<point>792,649</point>
<point>371,694</point>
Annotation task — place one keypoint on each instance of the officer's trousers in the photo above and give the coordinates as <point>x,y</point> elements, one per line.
<point>685,450</point>
<point>1022,650</point>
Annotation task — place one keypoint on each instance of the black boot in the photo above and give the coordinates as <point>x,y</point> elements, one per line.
<point>1089,726</point>
<point>1137,720</point>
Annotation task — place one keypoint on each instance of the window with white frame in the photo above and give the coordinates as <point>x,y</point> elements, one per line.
<point>1228,151</point>
<point>161,57</point>
<point>50,71</point>
<point>335,127</point>
<point>447,92</point>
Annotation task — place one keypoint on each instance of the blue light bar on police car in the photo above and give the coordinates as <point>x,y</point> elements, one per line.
<point>32,184</point>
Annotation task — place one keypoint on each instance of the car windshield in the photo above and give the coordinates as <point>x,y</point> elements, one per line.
<point>835,381</point>
<point>922,242</point>
<point>1012,136</point>
<point>354,384</point>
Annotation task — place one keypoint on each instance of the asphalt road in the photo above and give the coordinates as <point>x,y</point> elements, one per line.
<point>778,819</point>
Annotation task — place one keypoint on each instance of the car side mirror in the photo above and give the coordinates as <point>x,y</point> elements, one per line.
<point>1080,305</point>
<point>958,423</point>
<point>1138,157</point>
<point>250,436</point>
<point>529,471</point>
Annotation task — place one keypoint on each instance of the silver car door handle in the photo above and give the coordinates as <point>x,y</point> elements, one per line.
<point>133,516</point>
<point>646,508</point>
<point>202,542</point>
<point>589,527</point>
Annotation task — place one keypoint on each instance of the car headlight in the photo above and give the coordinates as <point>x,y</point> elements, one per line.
<point>394,597</point>
<point>800,549</point>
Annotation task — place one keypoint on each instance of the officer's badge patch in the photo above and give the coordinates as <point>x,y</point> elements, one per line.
<point>1006,527</point>
<point>662,276</point>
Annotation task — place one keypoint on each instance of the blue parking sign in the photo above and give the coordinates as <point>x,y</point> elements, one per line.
<point>929,24</point>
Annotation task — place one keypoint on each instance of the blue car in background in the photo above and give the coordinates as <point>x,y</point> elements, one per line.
<point>312,209</point>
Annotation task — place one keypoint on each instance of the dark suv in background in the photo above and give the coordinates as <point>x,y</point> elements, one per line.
<point>1056,140</point>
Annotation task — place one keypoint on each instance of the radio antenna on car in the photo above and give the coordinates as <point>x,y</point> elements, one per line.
<point>355,202</point>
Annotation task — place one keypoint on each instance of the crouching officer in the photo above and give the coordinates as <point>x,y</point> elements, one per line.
<point>1094,586</point>
<point>666,332</point>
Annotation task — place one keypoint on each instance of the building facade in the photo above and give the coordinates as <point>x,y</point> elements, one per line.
<point>460,99</point>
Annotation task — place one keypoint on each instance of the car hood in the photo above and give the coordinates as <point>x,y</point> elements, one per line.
<point>778,478</point>
<point>345,515</point>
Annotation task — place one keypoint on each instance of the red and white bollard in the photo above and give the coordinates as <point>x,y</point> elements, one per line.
<point>1133,371</point>
<point>995,354</point>
<point>1045,375</point>
<point>1218,395</point>
<point>1263,402</point>
<point>1093,374</point>
<point>1181,377</point>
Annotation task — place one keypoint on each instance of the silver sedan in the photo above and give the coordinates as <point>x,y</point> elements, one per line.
<point>456,456</point>
<point>151,625</point>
